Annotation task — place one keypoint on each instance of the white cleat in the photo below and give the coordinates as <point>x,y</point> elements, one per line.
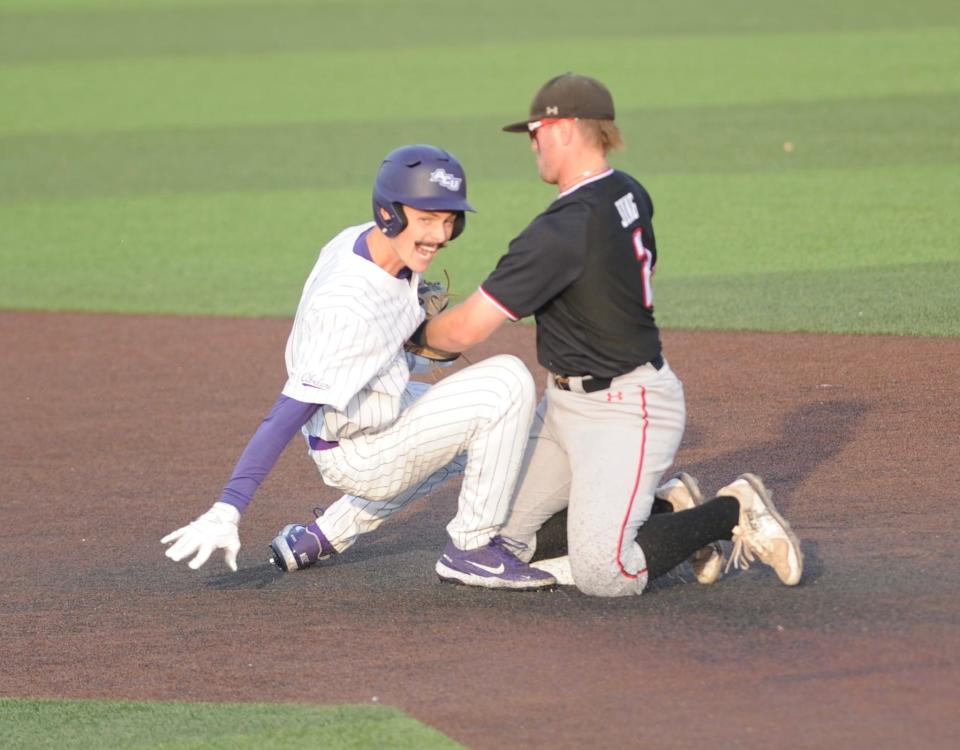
<point>683,493</point>
<point>762,532</point>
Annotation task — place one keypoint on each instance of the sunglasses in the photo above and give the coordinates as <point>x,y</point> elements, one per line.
<point>533,127</point>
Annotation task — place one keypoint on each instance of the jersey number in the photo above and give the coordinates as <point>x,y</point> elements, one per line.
<point>645,257</point>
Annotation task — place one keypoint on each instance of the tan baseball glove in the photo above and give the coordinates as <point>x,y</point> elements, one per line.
<point>434,297</point>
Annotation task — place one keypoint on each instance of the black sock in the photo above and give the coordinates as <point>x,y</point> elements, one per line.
<point>667,539</point>
<point>661,506</point>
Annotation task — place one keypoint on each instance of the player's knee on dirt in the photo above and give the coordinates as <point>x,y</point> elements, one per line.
<point>599,574</point>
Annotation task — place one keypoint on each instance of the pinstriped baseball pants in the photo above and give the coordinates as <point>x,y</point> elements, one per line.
<point>475,422</point>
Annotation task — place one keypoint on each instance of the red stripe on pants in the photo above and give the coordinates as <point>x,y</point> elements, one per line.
<point>633,494</point>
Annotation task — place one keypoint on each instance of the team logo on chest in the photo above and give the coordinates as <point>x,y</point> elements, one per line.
<point>627,208</point>
<point>444,179</point>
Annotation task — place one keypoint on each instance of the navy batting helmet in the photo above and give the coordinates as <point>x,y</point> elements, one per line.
<point>424,177</point>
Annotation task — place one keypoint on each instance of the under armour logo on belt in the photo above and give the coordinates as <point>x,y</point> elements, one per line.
<point>614,396</point>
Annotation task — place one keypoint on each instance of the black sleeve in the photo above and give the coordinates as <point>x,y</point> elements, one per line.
<point>542,261</point>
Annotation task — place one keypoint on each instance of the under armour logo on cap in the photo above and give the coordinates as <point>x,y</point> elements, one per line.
<point>553,110</point>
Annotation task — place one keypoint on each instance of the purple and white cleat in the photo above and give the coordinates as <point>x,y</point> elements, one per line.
<point>297,547</point>
<point>492,567</point>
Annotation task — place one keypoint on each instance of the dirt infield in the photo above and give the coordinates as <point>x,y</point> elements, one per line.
<point>119,429</point>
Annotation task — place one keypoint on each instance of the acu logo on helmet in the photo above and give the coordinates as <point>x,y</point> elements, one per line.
<point>443,178</point>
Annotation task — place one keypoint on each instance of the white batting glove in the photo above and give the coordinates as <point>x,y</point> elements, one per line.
<point>215,529</point>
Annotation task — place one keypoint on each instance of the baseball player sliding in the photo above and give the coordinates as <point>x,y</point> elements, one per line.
<point>613,414</point>
<point>374,434</point>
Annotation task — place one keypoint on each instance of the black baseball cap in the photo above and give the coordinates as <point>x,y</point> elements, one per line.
<point>568,95</point>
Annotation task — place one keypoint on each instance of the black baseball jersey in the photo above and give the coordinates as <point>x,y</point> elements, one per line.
<point>583,268</point>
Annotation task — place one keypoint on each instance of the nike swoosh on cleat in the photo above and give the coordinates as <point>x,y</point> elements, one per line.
<point>493,571</point>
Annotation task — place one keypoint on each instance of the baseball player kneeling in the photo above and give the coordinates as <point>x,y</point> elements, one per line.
<point>374,434</point>
<point>613,413</point>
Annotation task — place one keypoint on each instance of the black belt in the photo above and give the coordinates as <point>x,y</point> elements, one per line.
<point>591,384</point>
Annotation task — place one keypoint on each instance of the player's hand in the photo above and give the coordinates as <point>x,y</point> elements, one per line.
<point>215,529</point>
<point>434,297</point>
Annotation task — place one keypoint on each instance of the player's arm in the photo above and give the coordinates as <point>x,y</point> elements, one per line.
<point>540,262</point>
<point>284,421</point>
<point>217,528</point>
<point>462,326</point>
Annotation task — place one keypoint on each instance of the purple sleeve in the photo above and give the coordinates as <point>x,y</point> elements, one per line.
<point>282,423</point>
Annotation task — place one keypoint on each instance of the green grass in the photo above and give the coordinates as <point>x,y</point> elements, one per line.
<point>299,87</point>
<point>192,157</point>
<point>105,725</point>
<point>878,255</point>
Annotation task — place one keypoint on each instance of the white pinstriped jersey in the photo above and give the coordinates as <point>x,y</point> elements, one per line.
<point>346,347</point>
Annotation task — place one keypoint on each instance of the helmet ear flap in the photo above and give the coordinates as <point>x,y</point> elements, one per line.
<point>397,220</point>
<point>458,225</point>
